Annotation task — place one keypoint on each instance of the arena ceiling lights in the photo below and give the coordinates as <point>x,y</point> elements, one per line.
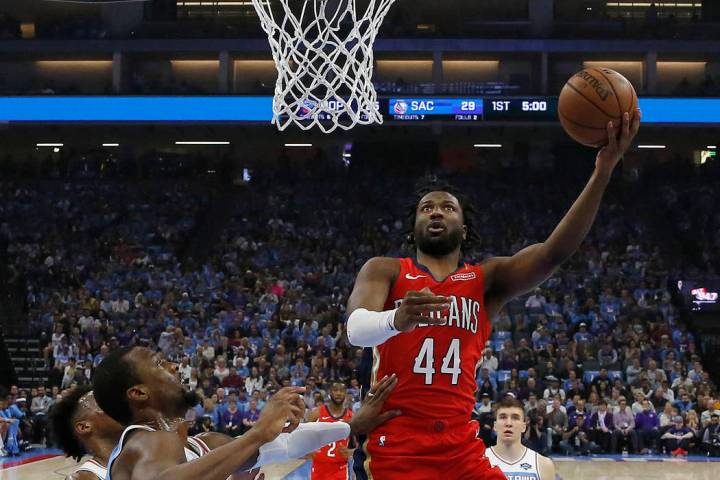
<point>202,143</point>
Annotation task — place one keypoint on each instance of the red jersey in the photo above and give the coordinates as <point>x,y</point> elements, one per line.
<point>330,453</point>
<point>436,365</point>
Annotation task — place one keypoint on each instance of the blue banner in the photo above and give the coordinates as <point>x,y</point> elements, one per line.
<point>680,110</point>
<point>136,109</point>
<point>49,109</point>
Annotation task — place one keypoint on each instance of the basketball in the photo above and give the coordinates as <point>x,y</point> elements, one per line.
<point>590,99</point>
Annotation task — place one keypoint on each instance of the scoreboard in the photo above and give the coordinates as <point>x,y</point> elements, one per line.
<point>259,109</point>
<point>473,109</point>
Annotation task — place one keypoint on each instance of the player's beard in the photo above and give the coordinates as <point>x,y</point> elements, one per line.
<point>191,398</point>
<point>439,245</point>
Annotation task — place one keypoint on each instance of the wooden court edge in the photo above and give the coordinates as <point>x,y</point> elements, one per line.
<point>27,461</point>
<point>638,459</point>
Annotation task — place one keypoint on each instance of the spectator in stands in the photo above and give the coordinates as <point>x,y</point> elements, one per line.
<point>684,404</point>
<point>676,440</point>
<point>576,441</point>
<point>603,426</point>
<point>608,356</point>
<point>647,424</point>
<point>710,409</point>
<point>624,432</point>
<point>710,436</point>
<point>553,389</point>
<point>557,423</point>
<point>232,420</point>
<point>489,361</point>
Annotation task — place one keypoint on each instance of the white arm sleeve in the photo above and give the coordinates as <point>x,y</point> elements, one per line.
<point>370,329</point>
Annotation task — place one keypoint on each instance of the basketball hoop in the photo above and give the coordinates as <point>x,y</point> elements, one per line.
<point>323,51</point>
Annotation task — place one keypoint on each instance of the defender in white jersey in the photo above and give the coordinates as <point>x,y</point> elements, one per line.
<point>516,460</point>
<point>79,427</point>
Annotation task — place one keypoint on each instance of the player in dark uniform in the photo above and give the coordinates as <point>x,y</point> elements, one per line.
<point>428,319</point>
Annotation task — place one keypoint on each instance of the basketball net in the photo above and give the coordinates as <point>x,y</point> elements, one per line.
<point>323,51</point>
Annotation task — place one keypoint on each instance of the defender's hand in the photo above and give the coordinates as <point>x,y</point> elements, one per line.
<point>368,418</point>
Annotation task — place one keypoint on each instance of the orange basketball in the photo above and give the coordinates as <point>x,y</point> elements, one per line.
<point>592,98</point>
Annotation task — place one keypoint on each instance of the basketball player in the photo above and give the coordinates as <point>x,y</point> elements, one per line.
<point>143,392</point>
<point>331,462</point>
<point>512,457</point>
<point>428,319</point>
<point>78,426</point>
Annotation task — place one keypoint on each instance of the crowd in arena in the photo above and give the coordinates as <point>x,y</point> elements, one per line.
<point>599,355</point>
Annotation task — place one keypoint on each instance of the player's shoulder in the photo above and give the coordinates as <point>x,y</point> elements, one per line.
<point>546,467</point>
<point>139,442</point>
<point>213,440</point>
<point>383,266</point>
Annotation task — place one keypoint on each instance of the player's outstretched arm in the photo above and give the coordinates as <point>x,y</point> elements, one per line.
<point>546,468</point>
<point>151,457</point>
<point>508,277</point>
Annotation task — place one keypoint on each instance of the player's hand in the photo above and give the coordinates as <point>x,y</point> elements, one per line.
<point>285,406</point>
<point>609,155</point>
<point>416,307</point>
<point>347,452</point>
<point>368,418</point>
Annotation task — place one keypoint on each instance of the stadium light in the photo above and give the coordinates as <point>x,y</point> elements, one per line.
<point>652,147</point>
<point>110,144</point>
<point>298,145</point>
<point>202,143</point>
<point>50,145</point>
<point>487,145</point>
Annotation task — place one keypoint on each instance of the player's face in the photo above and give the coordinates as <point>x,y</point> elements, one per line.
<point>162,378</point>
<point>439,228</point>
<point>509,424</point>
<point>95,420</point>
<point>337,394</point>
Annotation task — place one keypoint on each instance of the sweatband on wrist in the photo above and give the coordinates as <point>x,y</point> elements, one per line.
<point>370,329</point>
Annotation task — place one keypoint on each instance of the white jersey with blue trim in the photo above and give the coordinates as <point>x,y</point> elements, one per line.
<point>194,448</point>
<point>93,467</point>
<point>525,468</point>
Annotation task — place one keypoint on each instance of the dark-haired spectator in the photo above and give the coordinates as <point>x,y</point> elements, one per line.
<point>252,414</point>
<point>577,440</point>
<point>233,419</point>
<point>710,436</point>
<point>603,426</point>
<point>557,423</point>
<point>647,424</point>
<point>624,422</point>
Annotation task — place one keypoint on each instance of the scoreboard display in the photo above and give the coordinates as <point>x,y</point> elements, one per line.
<point>473,109</point>
<point>701,295</point>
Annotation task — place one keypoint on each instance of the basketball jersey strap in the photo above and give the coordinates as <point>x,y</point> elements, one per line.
<point>197,446</point>
<point>93,467</point>
<point>118,448</point>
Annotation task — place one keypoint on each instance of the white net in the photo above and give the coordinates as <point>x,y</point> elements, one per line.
<point>323,51</point>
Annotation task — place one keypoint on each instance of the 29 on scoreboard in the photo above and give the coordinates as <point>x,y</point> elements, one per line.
<point>473,109</point>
